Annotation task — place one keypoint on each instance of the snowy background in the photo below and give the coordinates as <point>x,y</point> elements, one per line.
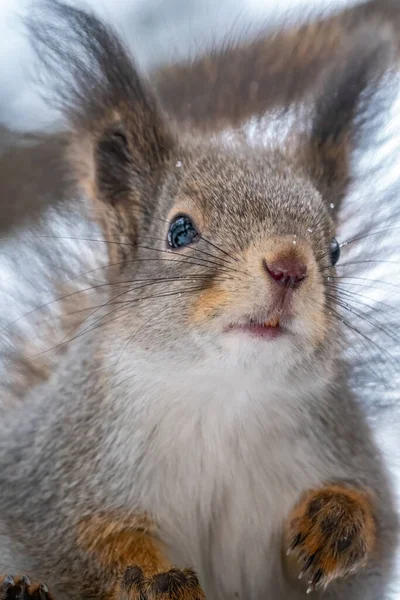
<point>156,30</point>
<point>162,30</point>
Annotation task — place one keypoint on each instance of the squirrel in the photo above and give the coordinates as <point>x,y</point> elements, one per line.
<point>204,442</point>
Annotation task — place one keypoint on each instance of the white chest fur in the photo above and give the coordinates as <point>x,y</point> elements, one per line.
<point>221,460</point>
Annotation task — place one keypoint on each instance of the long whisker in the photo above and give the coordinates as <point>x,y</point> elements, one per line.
<point>214,245</point>
<point>138,331</point>
<point>126,303</point>
<point>127,262</point>
<point>343,279</point>
<point>371,320</point>
<point>368,339</point>
<point>76,238</point>
<point>361,262</point>
<point>360,237</point>
<point>351,293</point>
<point>182,257</point>
<point>93,287</point>
<point>368,234</point>
<point>219,249</point>
<point>194,248</point>
<point>85,319</point>
<point>85,239</point>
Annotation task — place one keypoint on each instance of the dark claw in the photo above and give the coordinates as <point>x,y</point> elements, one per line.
<point>317,577</point>
<point>297,540</point>
<point>8,582</point>
<point>309,562</point>
<point>42,593</point>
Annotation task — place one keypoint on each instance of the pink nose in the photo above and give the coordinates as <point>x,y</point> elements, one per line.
<point>287,272</point>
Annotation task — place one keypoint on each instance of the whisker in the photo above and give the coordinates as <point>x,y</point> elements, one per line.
<point>126,262</point>
<point>182,257</point>
<point>125,303</point>
<point>361,262</point>
<point>351,293</point>
<point>368,234</point>
<point>365,337</point>
<point>366,343</point>
<point>371,320</point>
<point>85,319</point>
<point>138,331</point>
<point>76,238</point>
<point>360,237</point>
<point>207,242</point>
<point>194,248</point>
<point>97,286</point>
<point>343,279</point>
<point>219,249</point>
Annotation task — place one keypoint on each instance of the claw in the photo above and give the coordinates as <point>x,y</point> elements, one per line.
<point>43,591</point>
<point>9,581</point>
<point>307,565</point>
<point>299,538</point>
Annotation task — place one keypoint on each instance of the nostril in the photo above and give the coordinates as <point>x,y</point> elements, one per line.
<point>286,272</point>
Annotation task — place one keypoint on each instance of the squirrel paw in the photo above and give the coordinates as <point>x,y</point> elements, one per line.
<point>21,589</point>
<point>331,532</point>
<point>173,585</point>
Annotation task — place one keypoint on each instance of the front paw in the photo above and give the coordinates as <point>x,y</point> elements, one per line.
<point>332,534</point>
<point>174,584</point>
<point>21,588</point>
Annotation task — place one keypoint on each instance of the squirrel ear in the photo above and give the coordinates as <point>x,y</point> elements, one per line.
<point>347,101</point>
<point>120,143</point>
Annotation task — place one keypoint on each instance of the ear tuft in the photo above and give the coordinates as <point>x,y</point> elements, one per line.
<point>348,101</point>
<point>119,136</point>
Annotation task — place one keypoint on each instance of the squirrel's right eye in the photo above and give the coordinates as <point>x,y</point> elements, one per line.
<point>181,232</point>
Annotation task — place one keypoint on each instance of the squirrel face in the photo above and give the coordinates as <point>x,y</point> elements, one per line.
<point>215,249</point>
<point>242,244</point>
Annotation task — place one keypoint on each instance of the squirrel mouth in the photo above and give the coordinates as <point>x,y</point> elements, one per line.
<point>270,329</point>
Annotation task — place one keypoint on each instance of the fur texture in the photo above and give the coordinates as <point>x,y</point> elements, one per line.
<point>166,409</point>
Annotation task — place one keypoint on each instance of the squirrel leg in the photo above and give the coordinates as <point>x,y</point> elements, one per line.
<point>331,533</point>
<point>21,588</point>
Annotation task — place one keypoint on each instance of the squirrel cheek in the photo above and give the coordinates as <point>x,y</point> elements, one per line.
<point>313,317</point>
<point>209,304</point>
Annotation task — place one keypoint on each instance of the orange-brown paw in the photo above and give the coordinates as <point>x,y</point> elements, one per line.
<point>332,533</point>
<point>21,588</point>
<point>171,585</point>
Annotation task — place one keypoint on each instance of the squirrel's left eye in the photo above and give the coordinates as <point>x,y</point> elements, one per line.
<point>181,232</point>
<point>334,250</point>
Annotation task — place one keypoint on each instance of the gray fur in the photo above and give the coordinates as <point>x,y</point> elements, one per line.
<point>214,435</point>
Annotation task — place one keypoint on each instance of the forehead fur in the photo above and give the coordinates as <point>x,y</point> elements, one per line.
<point>237,187</point>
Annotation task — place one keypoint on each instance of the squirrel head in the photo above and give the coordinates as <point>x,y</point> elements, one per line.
<point>217,249</point>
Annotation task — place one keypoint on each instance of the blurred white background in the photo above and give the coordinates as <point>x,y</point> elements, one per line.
<point>157,30</point>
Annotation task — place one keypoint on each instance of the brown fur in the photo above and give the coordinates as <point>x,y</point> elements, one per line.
<point>116,545</point>
<point>119,544</point>
<point>226,87</point>
<point>332,532</point>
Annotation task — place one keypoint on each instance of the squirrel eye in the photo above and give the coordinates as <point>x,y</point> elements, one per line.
<point>334,251</point>
<point>181,232</point>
